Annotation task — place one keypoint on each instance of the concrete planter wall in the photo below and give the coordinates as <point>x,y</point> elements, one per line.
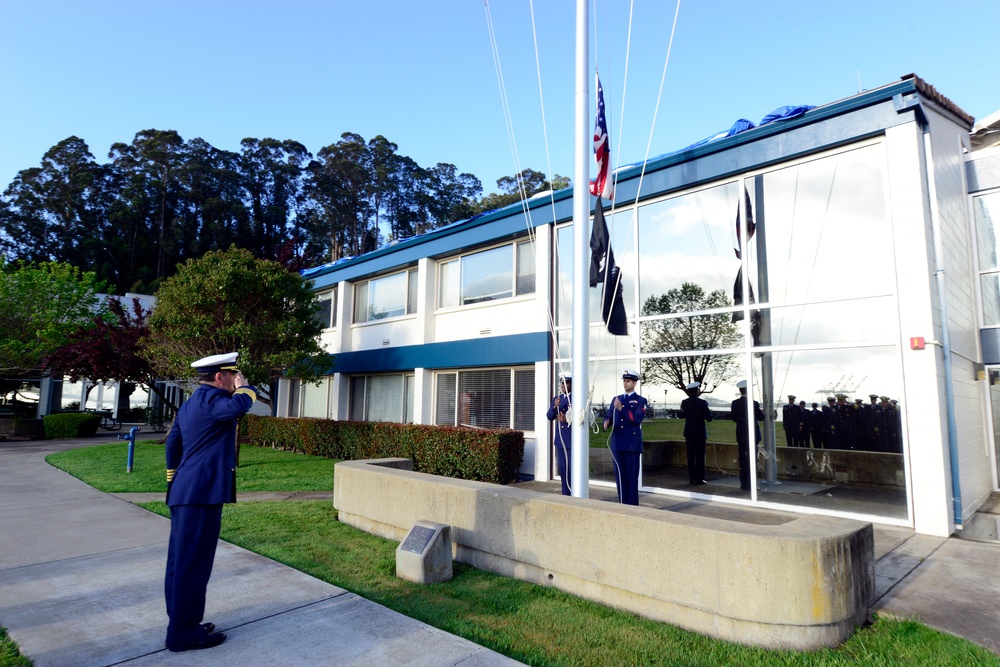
<point>803,584</point>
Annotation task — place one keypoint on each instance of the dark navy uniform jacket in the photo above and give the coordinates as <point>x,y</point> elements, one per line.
<point>201,446</point>
<point>696,413</point>
<point>627,423</point>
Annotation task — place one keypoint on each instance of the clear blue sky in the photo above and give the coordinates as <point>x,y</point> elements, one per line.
<point>422,74</point>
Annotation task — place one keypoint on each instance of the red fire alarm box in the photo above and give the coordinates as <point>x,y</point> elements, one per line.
<point>917,343</point>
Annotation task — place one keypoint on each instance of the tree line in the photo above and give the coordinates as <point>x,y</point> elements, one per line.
<point>161,200</point>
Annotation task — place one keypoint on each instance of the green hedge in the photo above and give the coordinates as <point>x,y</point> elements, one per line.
<point>70,425</point>
<point>466,453</point>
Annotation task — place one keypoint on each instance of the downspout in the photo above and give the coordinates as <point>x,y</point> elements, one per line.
<point>949,385</point>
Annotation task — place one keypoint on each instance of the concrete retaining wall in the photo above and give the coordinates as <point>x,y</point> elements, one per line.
<point>803,584</point>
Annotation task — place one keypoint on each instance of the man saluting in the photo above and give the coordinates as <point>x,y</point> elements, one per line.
<point>201,476</point>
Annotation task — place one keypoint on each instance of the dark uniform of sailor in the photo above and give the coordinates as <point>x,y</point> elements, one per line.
<point>626,439</point>
<point>738,412</point>
<point>846,424</point>
<point>830,423</point>
<point>806,429</point>
<point>201,476</point>
<point>791,421</point>
<point>562,441</point>
<point>816,426</point>
<point>696,413</point>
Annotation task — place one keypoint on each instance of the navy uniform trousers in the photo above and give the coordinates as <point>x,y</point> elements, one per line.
<point>194,534</point>
<point>201,474</point>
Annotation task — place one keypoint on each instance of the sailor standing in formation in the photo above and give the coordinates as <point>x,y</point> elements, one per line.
<point>626,414</point>
<point>696,413</point>
<point>558,412</point>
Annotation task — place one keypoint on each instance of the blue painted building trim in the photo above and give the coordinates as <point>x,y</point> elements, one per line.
<point>515,350</point>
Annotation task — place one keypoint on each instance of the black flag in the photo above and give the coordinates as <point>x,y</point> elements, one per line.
<point>603,270</point>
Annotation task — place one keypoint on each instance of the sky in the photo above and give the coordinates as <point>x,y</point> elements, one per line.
<point>423,74</point>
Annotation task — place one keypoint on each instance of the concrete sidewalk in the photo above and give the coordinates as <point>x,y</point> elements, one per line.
<point>81,576</point>
<point>81,583</point>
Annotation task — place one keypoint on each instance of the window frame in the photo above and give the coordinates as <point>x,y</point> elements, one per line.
<point>521,396</point>
<point>410,301</point>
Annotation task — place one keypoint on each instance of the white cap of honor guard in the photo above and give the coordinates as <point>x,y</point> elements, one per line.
<point>216,363</point>
<point>742,384</point>
<point>693,385</point>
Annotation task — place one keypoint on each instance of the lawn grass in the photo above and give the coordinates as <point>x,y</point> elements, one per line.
<point>261,469</point>
<point>719,430</point>
<point>10,655</point>
<point>533,624</point>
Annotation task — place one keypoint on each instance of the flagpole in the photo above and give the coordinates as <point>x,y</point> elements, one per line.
<point>580,432</point>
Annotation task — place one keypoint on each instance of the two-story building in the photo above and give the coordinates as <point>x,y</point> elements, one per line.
<point>873,264</point>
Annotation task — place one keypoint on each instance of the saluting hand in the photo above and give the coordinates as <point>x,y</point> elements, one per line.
<point>241,381</point>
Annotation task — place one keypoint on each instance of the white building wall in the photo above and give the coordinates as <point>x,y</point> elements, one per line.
<point>924,419</point>
<point>947,145</point>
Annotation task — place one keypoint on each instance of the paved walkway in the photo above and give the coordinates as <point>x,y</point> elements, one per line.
<point>81,584</point>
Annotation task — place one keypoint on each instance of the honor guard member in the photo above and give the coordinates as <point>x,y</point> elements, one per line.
<point>861,425</point>
<point>871,412</point>
<point>201,476</point>
<point>561,440</point>
<point>696,413</point>
<point>806,428</point>
<point>846,431</point>
<point>738,413</point>
<point>830,423</point>
<point>791,420</point>
<point>626,414</point>
<point>816,425</point>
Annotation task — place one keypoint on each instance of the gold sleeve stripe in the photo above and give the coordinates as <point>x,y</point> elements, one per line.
<point>170,475</point>
<point>248,391</point>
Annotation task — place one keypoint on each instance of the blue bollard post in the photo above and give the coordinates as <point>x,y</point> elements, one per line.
<point>131,446</point>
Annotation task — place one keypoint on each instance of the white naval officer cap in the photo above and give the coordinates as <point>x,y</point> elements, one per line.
<point>630,375</point>
<point>693,385</point>
<point>742,384</point>
<point>216,363</point>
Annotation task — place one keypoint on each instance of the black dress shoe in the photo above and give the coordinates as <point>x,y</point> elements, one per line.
<point>208,641</point>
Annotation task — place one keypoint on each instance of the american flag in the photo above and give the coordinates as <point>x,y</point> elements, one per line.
<point>602,186</point>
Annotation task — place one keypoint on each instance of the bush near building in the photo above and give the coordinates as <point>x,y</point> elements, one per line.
<point>71,425</point>
<point>483,455</point>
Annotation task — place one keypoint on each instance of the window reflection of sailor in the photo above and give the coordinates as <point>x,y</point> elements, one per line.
<point>696,413</point>
<point>201,476</point>
<point>625,415</point>
<point>559,413</point>
<point>791,421</point>
<point>738,412</point>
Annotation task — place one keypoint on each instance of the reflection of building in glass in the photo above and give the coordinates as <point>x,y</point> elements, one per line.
<point>846,262</point>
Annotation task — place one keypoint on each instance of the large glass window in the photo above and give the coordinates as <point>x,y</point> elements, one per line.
<point>487,275</point>
<point>486,398</point>
<point>382,398</point>
<point>816,331</point>
<point>987,216</point>
<point>385,297</point>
